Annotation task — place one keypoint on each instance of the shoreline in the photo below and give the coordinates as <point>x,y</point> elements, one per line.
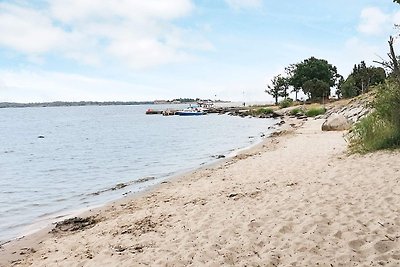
<point>296,199</point>
<point>32,234</point>
<point>110,197</point>
<point>33,238</point>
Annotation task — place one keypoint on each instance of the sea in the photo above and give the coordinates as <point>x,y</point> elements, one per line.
<point>56,161</point>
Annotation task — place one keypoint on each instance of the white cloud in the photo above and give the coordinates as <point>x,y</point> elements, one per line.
<point>27,30</point>
<point>42,86</point>
<point>135,32</point>
<point>72,11</point>
<point>242,4</point>
<point>374,21</point>
<point>396,18</point>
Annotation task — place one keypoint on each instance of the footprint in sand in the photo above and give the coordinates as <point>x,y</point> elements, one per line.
<point>384,246</point>
<point>356,244</point>
<point>286,229</point>
<point>338,234</point>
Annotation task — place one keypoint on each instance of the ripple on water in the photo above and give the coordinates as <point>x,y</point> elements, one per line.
<point>89,149</point>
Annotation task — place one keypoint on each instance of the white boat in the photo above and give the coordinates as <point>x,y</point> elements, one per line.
<point>191,111</point>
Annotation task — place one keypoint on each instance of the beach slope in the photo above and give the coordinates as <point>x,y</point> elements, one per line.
<point>295,200</point>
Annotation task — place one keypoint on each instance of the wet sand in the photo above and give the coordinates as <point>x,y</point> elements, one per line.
<point>295,200</point>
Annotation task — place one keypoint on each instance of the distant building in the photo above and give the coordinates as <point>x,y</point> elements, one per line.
<point>160,102</point>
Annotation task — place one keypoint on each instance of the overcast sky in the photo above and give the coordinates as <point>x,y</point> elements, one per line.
<point>162,49</point>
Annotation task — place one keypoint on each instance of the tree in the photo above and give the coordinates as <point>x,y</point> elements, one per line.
<point>339,85</point>
<point>366,76</point>
<point>316,88</point>
<point>349,89</point>
<point>284,84</point>
<point>392,65</point>
<point>361,79</point>
<point>290,71</point>
<point>278,88</point>
<point>314,69</point>
<point>377,75</point>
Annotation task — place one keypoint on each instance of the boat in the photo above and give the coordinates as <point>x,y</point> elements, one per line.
<point>205,105</point>
<point>169,112</point>
<point>191,111</point>
<point>152,111</point>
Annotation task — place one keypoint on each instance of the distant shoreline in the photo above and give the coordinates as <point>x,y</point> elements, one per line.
<point>91,103</point>
<point>72,104</point>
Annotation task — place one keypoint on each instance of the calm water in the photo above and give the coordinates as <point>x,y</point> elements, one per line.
<point>87,150</point>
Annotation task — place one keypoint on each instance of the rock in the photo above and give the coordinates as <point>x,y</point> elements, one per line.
<point>302,117</point>
<point>275,115</point>
<point>144,179</point>
<point>40,136</point>
<point>74,224</point>
<point>119,186</point>
<point>336,122</point>
<point>355,111</point>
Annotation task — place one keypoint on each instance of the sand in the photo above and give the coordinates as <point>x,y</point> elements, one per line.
<point>296,200</point>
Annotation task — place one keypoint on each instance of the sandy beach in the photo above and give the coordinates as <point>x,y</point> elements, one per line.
<point>295,200</point>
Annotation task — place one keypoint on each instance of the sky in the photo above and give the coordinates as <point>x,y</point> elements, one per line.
<point>138,50</point>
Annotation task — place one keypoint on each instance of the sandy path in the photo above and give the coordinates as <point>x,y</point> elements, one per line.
<point>296,201</point>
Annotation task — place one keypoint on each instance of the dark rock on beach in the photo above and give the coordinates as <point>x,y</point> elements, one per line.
<point>119,186</point>
<point>74,224</point>
<point>145,179</point>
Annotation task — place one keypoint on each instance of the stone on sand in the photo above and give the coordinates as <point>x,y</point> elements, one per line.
<point>336,122</point>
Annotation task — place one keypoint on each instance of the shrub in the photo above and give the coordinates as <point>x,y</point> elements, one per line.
<point>295,111</point>
<point>313,112</point>
<point>381,129</point>
<point>287,102</point>
<point>262,111</point>
<point>373,133</point>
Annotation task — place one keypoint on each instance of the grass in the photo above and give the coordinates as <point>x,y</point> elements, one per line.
<point>296,111</point>
<point>286,103</point>
<point>315,111</point>
<point>381,129</point>
<point>373,133</point>
<point>262,111</point>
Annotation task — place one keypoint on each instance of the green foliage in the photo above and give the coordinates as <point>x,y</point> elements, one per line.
<point>313,112</point>
<point>287,102</point>
<point>349,89</point>
<point>387,102</point>
<point>296,111</point>
<point>313,69</point>
<point>339,85</point>
<point>380,130</point>
<point>279,87</point>
<point>316,88</point>
<point>373,133</point>
<point>262,111</point>
<point>361,79</point>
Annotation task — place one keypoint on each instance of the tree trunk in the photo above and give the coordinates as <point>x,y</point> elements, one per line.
<point>393,58</point>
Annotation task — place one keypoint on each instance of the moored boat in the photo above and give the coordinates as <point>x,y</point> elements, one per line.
<point>191,111</point>
<point>152,111</point>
